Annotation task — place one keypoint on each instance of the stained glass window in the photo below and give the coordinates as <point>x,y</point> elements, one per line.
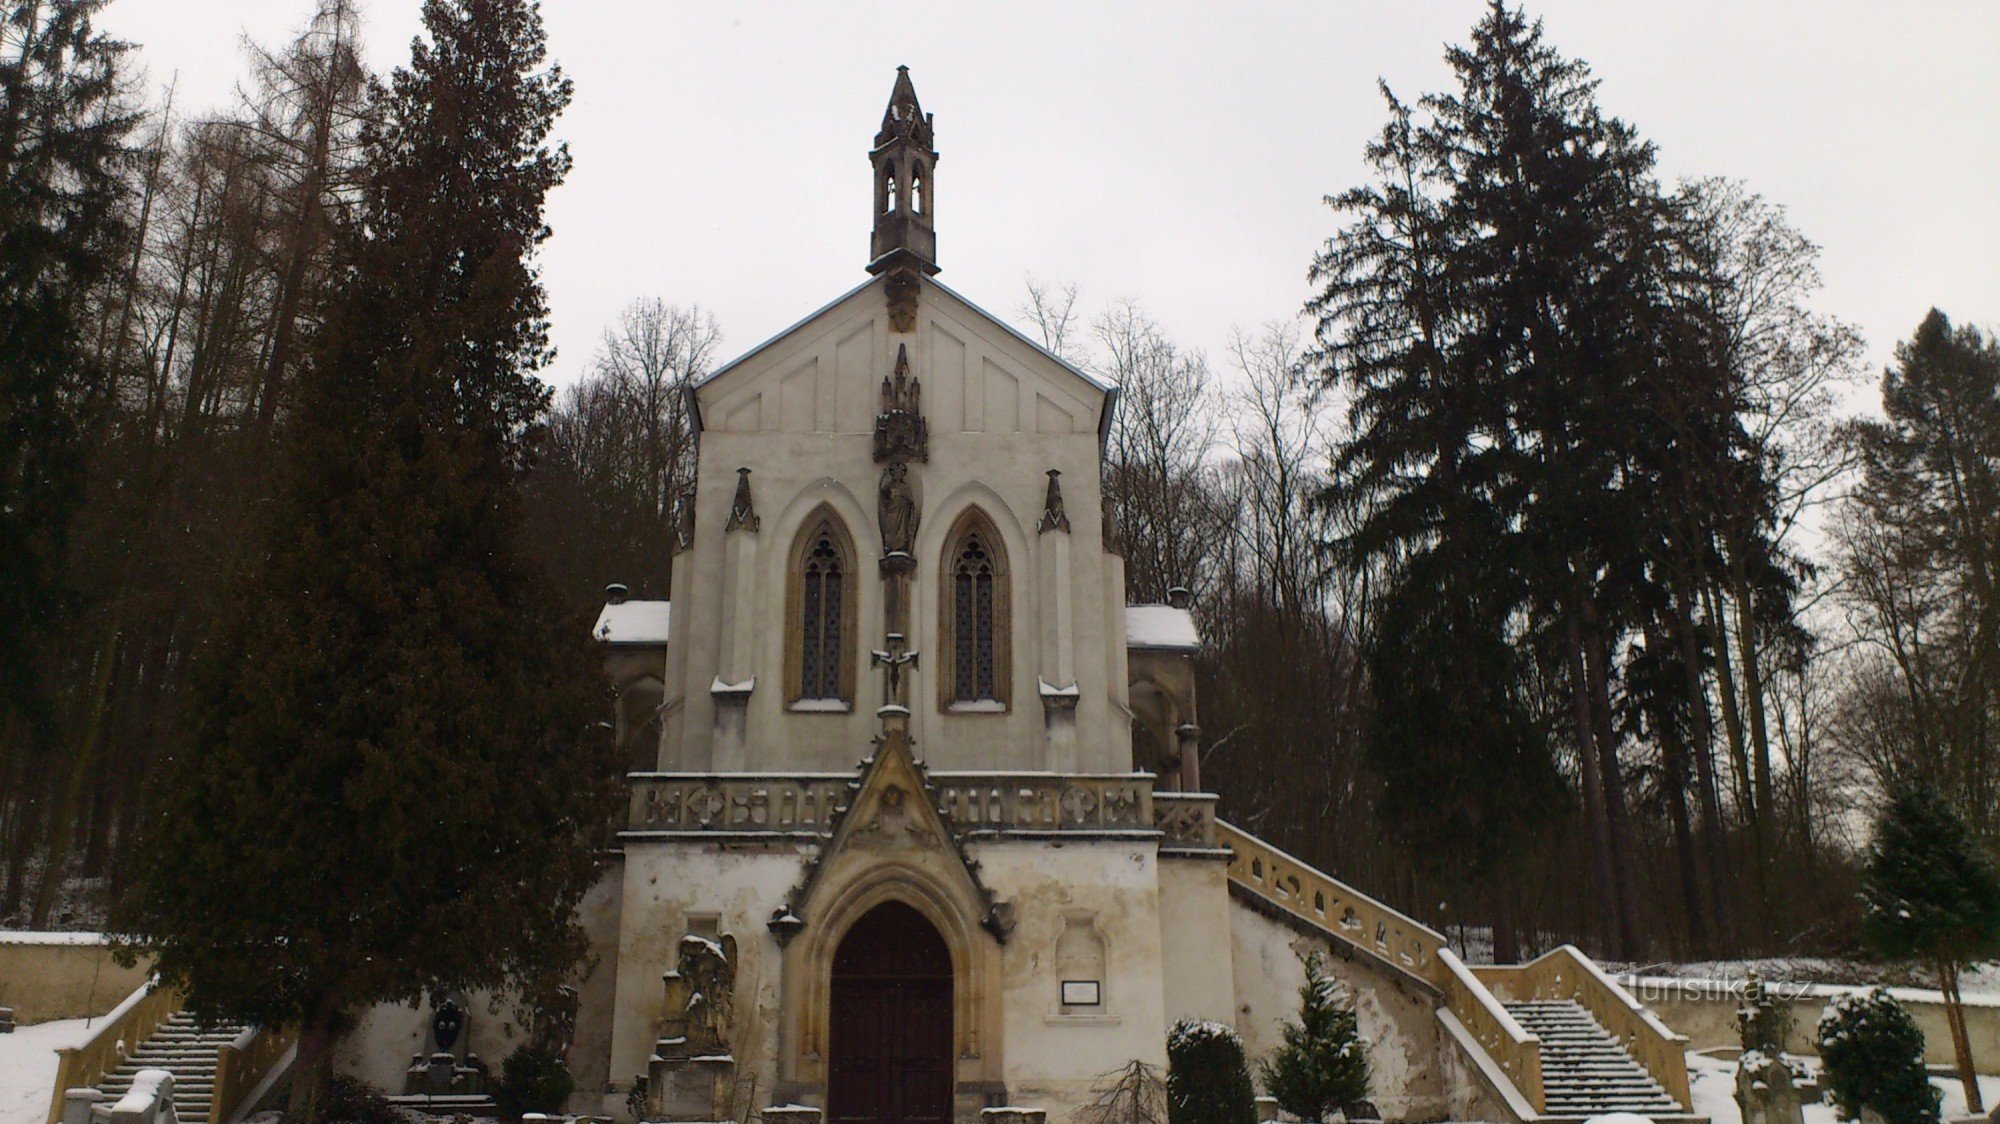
<point>821,602</point>
<point>973,668</point>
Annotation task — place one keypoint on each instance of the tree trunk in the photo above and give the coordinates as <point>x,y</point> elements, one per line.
<point>317,1037</point>
<point>1602,879</point>
<point>1714,846</point>
<point>1961,1042</point>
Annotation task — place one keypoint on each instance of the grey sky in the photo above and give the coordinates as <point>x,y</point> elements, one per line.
<point>1176,153</point>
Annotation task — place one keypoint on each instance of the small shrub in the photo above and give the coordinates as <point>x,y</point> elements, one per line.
<point>344,1100</point>
<point>1873,1053</point>
<point>1208,1082</point>
<point>532,1079</point>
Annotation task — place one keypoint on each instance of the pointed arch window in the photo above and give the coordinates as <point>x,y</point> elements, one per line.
<point>974,617</point>
<point>820,635</point>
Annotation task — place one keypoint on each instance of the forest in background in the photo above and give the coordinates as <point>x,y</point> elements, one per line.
<point>1513,579</point>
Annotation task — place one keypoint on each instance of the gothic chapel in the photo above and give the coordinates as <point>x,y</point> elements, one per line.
<point>916,830</point>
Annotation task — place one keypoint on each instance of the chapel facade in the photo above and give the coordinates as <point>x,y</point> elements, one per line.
<point>916,830</point>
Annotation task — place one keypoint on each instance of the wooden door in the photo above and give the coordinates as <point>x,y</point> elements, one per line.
<point>890,1023</point>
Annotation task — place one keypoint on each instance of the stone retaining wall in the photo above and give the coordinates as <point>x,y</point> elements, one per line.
<point>46,976</point>
<point>1705,1011</point>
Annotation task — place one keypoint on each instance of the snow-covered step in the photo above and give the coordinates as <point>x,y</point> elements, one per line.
<point>185,1049</point>
<point>1585,1071</point>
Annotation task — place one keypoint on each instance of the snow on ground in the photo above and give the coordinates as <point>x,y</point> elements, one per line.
<point>1839,971</point>
<point>1713,1083</point>
<point>28,1067</point>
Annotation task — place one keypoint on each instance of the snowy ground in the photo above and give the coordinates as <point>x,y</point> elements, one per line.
<point>28,1067</point>
<point>1980,978</point>
<point>1713,1083</point>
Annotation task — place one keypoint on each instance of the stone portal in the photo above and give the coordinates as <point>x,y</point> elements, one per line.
<point>890,1026</point>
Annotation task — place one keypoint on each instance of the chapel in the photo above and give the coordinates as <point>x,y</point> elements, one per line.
<point>916,828</point>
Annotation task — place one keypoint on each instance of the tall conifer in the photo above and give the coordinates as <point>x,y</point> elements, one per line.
<point>62,151</point>
<point>386,790</point>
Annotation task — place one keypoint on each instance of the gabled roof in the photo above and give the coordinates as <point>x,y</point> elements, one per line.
<point>1104,386</point>
<point>1161,628</point>
<point>634,622</point>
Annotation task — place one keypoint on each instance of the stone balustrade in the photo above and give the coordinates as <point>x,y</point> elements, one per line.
<point>1566,973</point>
<point>1333,906</point>
<point>807,804</point>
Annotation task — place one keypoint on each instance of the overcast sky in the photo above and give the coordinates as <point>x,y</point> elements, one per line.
<point>1176,153</point>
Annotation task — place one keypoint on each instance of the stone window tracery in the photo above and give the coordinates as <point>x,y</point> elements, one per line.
<point>819,636</point>
<point>974,617</point>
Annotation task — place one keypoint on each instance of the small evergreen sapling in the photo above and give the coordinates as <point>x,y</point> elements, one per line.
<point>1929,893</point>
<point>1874,1057</point>
<point>1322,1067</point>
<point>1208,1082</point>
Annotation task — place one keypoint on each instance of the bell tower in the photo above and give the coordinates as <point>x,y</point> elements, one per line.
<point>905,164</point>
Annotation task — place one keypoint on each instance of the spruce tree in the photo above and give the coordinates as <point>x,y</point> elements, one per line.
<point>386,789</point>
<point>1322,1067</point>
<point>63,129</point>
<point>1929,893</point>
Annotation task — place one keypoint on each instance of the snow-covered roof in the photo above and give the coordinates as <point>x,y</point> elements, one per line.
<point>633,622</point>
<point>1161,627</point>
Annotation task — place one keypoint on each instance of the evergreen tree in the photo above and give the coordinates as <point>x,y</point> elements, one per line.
<point>1322,1067</point>
<point>1208,1082</point>
<point>62,153</point>
<point>385,789</point>
<point>1874,1057</point>
<point>1929,893</point>
<point>1492,308</point>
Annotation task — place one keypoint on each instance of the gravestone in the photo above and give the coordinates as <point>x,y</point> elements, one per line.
<point>447,1067</point>
<point>6,1020</point>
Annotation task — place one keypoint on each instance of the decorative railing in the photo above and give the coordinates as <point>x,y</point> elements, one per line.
<point>243,1064</point>
<point>1338,909</point>
<point>804,802</point>
<point>1517,1052</point>
<point>128,1024</point>
<point>1566,973</point>
<point>1185,819</point>
<point>808,803</point>
<point>1038,802</point>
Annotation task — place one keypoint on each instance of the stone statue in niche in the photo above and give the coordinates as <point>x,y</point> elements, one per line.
<point>897,509</point>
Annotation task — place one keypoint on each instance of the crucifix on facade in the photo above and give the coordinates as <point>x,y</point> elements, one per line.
<point>892,658</point>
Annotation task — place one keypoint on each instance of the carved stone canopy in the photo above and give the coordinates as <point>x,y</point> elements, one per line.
<point>901,433</point>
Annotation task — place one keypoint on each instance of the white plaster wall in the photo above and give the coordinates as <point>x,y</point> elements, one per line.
<point>1196,957</point>
<point>1054,1060</point>
<point>799,413</point>
<point>664,883</point>
<point>1396,1015</point>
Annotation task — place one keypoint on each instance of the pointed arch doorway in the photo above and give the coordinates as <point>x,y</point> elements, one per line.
<point>890,1022</point>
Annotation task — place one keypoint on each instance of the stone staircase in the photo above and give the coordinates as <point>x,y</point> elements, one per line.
<point>1585,1072</point>
<point>185,1049</point>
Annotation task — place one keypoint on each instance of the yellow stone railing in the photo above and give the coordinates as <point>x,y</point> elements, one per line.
<point>1333,906</point>
<point>1517,1052</point>
<point>128,1025</point>
<point>1566,973</point>
<point>242,1064</point>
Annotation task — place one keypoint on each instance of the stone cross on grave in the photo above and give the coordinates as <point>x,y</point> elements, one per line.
<point>892,658</point>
